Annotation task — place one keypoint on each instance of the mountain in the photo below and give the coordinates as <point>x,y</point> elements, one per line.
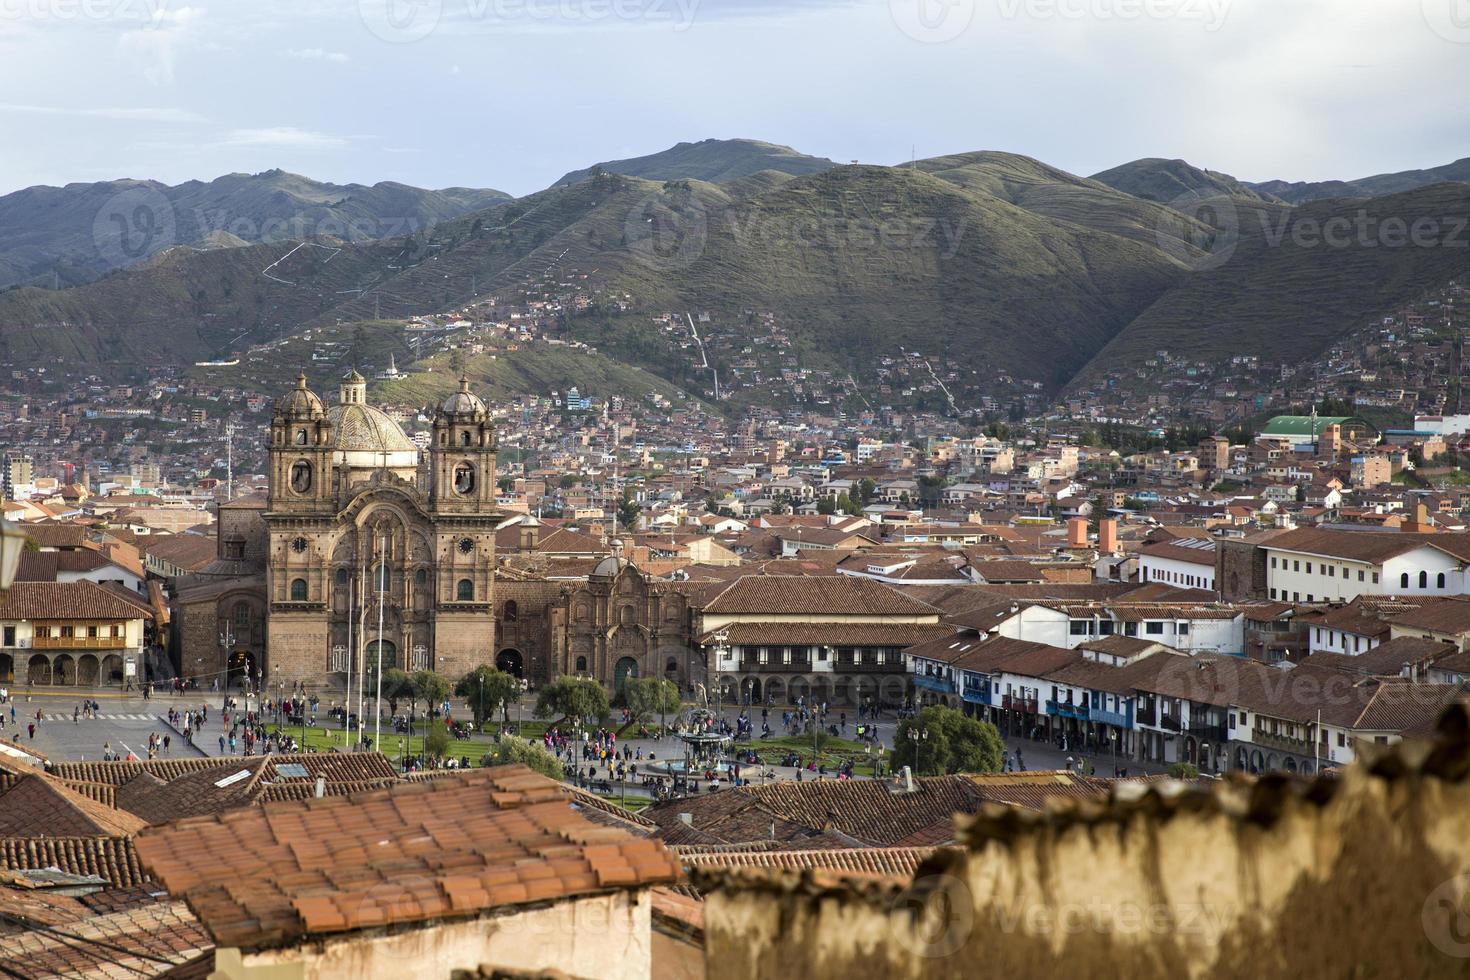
<point>1300,192</point>
<point>1297,279</point>
<point>77,233</point>
<point>1167,181</point>
<point>899,257</point>
<point>714,161</point>
<point>1006,265</point>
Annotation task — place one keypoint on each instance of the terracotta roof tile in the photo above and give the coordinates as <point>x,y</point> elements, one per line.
<point>461,844</point>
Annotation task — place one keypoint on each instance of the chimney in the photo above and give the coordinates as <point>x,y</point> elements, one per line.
<point>1107,536</point>
<point>687,819</point>
<point>908,780</point>
<point>321,786</point>
<point>1420,524</point>
<point>1077,532</point>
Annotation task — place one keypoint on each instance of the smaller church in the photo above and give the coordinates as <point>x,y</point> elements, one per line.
<point>365,550</point>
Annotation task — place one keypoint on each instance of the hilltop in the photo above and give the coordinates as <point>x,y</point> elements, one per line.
<point>711,160</point>
<point>1166,181</point>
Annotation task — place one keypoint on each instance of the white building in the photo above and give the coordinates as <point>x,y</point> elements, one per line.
<point>1186,562</point>
<point>1315,565</point>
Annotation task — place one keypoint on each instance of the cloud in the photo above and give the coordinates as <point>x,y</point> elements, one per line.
<point>284,137</point>
<point>158,114</point>
<point>318,54</point>
<point>154,47</point>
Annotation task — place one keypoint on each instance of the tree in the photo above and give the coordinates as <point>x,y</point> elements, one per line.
<point>866,488</point>
<point>629,511</point>
<point>827,506</point>
<point>516,751</point>
<point>483,688</point>
<point>955,743</point>
<point>649,696</point>
<point>429,688</point>
<point>849,506</point>
<point>397,686</point>
<point>1183,770</point>
<point>572,697</point>
<point>436,743</point>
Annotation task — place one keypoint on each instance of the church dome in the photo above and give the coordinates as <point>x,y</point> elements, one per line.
<point>300,401</point>
<point>464,401</point>
<point>363,436</point>
<point>362,428</point>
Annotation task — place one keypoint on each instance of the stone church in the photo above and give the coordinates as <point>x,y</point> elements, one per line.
<point>364,550</point>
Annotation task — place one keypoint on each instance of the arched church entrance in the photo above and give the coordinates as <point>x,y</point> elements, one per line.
<point>510,662</point>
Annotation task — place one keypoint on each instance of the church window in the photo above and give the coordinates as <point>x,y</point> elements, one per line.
<point>464,438</point>
<point>235,549</point>
<point>582,664</point>
<point>298,590</point>
<point>512,611</point>
<point>342,576</point>
<point>242,616</point>
<point>300,437</point>
<point>421,578</point>
<point>672,666</point>
<point>465,591</point>
<point>381,577</point>
<point>301,476</point>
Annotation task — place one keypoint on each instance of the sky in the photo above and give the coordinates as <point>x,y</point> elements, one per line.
<point>511,94</point>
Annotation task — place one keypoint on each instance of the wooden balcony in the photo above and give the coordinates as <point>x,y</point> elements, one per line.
<point>79,643</point>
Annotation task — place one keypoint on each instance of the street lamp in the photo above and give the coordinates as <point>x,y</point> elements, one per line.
<point>919,736</point>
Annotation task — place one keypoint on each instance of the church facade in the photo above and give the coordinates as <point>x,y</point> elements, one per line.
<point>366,550</point>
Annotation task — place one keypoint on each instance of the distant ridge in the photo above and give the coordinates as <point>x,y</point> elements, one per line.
<point>74,234</point>
<point>1300,192</point>
<point>1169,181</point>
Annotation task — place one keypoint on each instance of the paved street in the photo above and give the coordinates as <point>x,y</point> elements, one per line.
<point>123,721</point>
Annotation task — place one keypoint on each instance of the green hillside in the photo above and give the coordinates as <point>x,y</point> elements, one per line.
<point>1286,294</point>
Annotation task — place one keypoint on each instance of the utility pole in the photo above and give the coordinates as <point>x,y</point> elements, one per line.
<point>229,461</point>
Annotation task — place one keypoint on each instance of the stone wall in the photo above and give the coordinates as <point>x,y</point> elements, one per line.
<point>1366,874</point>
<point>1240,570</point>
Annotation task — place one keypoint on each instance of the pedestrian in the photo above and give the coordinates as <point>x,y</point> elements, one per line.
<point>32,728</point>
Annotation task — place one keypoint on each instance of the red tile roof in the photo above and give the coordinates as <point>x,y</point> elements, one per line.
<point>424,849</point>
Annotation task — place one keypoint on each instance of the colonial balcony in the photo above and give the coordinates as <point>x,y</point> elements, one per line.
<point>1118,719</point>
<point>1012,702</point>
<point>1284,743</point>
<point>1216,734</point>
<point>927,683</point>
<point>1064,709</point>
<point>79,643</point>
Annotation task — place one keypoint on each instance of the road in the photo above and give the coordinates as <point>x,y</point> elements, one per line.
<point>122,721</point>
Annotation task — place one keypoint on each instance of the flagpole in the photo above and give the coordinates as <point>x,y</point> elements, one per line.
<point>382,592</point>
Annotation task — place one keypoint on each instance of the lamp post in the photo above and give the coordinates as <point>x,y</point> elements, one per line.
<point>919,736</point>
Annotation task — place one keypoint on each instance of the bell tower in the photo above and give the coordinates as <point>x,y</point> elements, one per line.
<point>300,452</point>
<point>463,455</point>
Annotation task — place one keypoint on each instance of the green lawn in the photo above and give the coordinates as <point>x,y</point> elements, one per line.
<point>834,751</point>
